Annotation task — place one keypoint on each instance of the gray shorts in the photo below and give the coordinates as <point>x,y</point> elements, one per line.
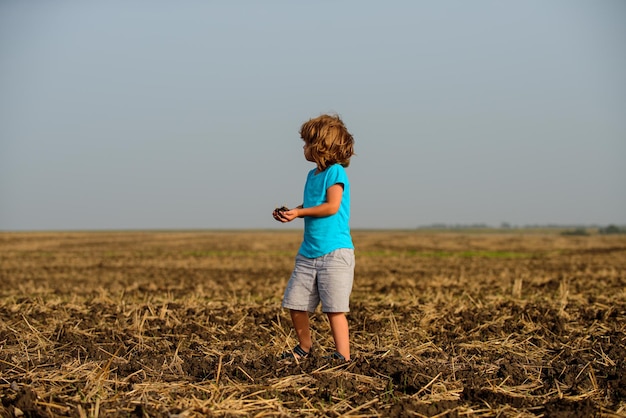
<point>327,279</point>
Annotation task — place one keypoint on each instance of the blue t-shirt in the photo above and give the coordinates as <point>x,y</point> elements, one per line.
<point>326,234</point>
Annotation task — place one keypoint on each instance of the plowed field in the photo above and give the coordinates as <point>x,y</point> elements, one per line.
<point>188,324</point>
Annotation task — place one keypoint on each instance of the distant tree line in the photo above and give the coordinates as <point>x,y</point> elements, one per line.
<point>612,229</point>
<point>576,232</point>
<point>568,229</point>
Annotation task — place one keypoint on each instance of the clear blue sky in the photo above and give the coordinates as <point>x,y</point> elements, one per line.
<point>162,114</point>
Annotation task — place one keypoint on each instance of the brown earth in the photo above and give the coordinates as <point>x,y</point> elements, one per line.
<point>188,324</point>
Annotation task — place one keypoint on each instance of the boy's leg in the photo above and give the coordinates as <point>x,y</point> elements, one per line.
<point>341,332</point>
<point>300,321</point>
<point>334,283</point>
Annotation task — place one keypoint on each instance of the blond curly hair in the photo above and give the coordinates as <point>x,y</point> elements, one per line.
<point>329,141</point>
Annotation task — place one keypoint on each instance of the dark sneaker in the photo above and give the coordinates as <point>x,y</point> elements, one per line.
<point>336,356</point>
<point>297,353</point>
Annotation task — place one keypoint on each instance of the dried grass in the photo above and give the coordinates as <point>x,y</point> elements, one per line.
<point>189,325</point>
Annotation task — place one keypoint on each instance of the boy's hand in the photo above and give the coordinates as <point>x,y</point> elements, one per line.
<point>278,214</point>
<point>288,215</point>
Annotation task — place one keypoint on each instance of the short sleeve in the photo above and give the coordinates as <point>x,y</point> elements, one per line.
<point>336,175</point>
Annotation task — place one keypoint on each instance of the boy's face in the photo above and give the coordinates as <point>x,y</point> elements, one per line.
<point>307,152</point>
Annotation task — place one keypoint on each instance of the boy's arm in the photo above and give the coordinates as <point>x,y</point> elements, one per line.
<point>333,200</point>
